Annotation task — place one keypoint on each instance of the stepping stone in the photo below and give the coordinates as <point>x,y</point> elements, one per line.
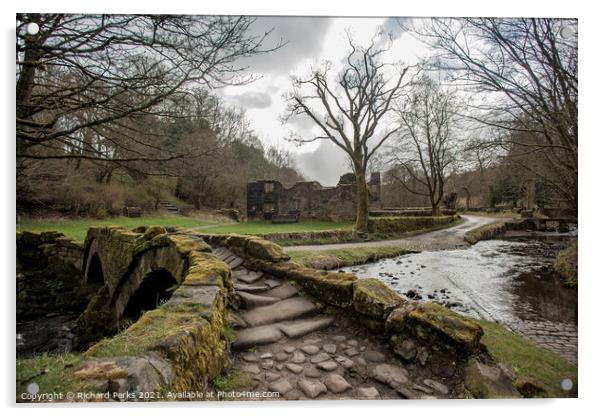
<point>435,385</point>
<point>311,341</point>
<point>267,364</point>
<point>352,343</point>
<point>266,355</point>
<point>318,358</point>
<point>361,361</point>
<point>250,357</point>
<point>368,393</point>
<point>328,365</point>
<point>293,368</point>
<point>300,327</point>
<point>280,311</point>
<point>336,384</point>
<point>298,357</point>
<point>283,291</point>
<point>247,277</point>
<point>422,389</point>
<point>272,283</point>
<point>244,287</point>
<point>236,321</point>
<point>344,361</point>
<point>251,368</point>
<point>312,389</point>
<point>235,263</point>
<point>279,367</point>
<point>257,336</point>
<point>250,301</point>
<point>351,352</point>
<point>310,349</point>
<point>329,348</point>
<point>271,376</point>
<point>289,349</point>
<point>374,356</point>
<point>281,386</point>
<point>391,375</point>
<point>339,338</point>
<point>281,356</point>
<point>312,372</point>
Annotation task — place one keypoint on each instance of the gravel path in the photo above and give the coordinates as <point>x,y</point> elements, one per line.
<point>452,237</point>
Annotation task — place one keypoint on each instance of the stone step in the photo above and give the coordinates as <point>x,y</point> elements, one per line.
<point>252,288</point>
<point>234,262</point>
<point>301,327</point>
<point>284,310</point>
<point>260,335</point>
<point>246,276</point>
<point>250,300</point>
<point>283,291</point>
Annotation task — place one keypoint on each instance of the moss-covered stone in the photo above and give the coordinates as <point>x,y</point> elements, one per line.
<point>397,225</point>
<point>373,298</point>
<point>397,319</point>
<point>485,232</point>
<point>430,321</point>
<point>95,322</point>
<point>330,287</point>
<point>185,244</point>
<point>205,269</point>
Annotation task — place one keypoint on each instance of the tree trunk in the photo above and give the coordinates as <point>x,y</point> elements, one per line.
<point>436,210</point>
<point>361,220</point>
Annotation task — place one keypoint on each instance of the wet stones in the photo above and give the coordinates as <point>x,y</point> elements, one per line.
<point>320,357</point>
<point>311,389</point>
<point>330,348</point>
<point>391,375</point>
<point>368,393</point>
<point>328,366</point>
<point>310,349</point>
<point>336,383</point>
<point>294,368</point>
<point>298,357</point>
<point>282,386</point>
<point>312,372</point>
<point>436,386</point>
<point>374,356</point>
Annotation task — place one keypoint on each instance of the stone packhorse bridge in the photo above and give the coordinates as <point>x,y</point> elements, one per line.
<point>203,305</point>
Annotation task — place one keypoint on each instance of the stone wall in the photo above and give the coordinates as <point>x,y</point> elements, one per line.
<point>48,274</point>
<point>397,225</point>
<point>424,333</point>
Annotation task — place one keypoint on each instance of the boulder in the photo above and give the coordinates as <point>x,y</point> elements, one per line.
<point>488,381</point>
<point>373,298</point>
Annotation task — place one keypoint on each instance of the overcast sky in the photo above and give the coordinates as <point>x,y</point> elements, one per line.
<point>309,41</point>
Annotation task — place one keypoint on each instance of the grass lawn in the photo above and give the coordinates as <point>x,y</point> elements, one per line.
<point>529,360</point>
<point>77,228</point>
<point>262,227</point>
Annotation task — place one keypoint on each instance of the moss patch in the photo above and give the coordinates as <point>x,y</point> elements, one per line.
<point>153,327</point>
<point>485,232</point>
<point>566,264</point>
<point>397,225</point>
<point>430,320</point>
<point>529,360</point>
<point>373,298</point>
<point>333,259</point>
<point>233,380</point>
<point>206,270</point>
<point>52,373</point>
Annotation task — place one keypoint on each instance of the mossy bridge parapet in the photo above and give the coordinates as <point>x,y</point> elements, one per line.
<point>177,292</point>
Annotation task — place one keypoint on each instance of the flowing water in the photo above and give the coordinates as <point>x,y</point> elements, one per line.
<point>510,282</point>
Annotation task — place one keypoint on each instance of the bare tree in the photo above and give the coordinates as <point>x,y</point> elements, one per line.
<point>425,147</point>
<point>350,109</point>
<point>523,77</point>
<point>82,78</point>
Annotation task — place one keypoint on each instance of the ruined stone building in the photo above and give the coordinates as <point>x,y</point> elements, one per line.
<point>269,198</point>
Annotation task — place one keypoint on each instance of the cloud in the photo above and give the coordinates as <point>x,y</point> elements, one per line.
<point>325,164</point>
<point>302,37</point>
<point>252,99</point>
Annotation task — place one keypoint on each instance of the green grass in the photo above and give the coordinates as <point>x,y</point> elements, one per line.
<point>528,359</point>
<point>52,373</point>
<point>234,380</point>
<point>332,259</point>
<point>77,228</point>
<point>262,227</point>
